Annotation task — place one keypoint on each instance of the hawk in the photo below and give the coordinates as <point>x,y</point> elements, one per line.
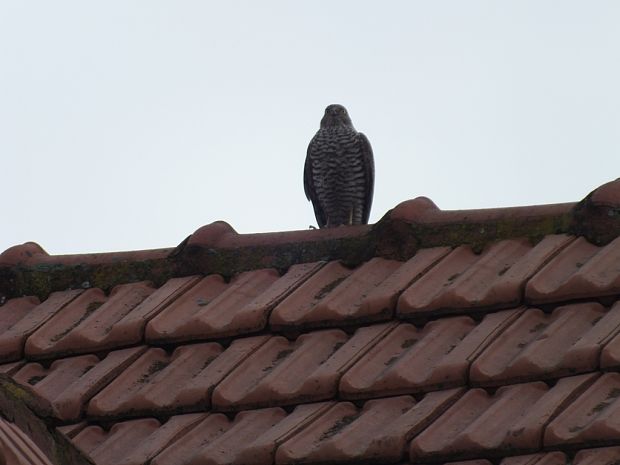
<point>339,174</point>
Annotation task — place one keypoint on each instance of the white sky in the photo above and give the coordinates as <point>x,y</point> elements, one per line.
<point>128,124</point>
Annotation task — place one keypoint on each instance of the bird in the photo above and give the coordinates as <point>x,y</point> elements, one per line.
<point>339,171</point>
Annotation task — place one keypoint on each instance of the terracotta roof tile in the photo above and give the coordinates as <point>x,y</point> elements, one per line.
<point>513,418</point>
<point>16,448</point>
<point>409,359</point>
<point>581,270</point>
<point>551,458</point>
<point>250,439</point>
<point>591,418</point>
<point>471,462</point>
<point>487,336</point>
<point>600,456</point>
<point>464,280</point>
<point>541,346</point>
<point>378,431</point>
<point>69,383</point>
<point>144,438</point>
<point>298,307</point>
<point>87,323</point>
<point>23,323</point>
<point>282,372</point>
<point>151,384</point>
<point>214,308</point>
<point>610,356</point>
<point>10,368</point>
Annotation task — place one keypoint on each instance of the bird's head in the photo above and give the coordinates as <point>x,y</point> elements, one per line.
<point>336,116</point>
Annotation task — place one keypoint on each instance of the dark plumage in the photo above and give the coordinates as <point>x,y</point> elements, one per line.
<point>339,174</point>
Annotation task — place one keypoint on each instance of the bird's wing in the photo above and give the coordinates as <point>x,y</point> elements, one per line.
<point>310,190</point>
<point>369,174</point>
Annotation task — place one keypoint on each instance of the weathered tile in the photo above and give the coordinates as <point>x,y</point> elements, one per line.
<point>379,431</point>
<point>133,442</point>
<point>250,439</point>
<point>599,456</point>
<point>437,356</point>
<point>512,419</point>
<point>591,418</point>
<point>464,280</point>
<point>213,308</point>
<point>69,383</point>
<point>88,322</point>
<point>283,372</point>
<point>540,345</point>
<point>159,382</point>
<point>580,270</point>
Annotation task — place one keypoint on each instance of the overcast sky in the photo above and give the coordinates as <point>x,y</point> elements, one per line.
<point>129,124</point>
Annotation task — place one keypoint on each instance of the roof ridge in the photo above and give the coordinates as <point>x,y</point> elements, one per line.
<point>218,248</point>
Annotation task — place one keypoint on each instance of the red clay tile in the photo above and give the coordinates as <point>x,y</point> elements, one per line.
<point>511,419</point>
<point>182,381</point>
<point>250,439</point>
<point>540,346</point>
<point>551,458</point>
<point>470,462</point>
<point>213,308</point>
<point>378,432</point>
<point>600,456</point>
<point>293,309</point>
<point>11,313</point>
<point>26,321</point>
<point>283,372</point>
<point>336,296</point>
<point>10,368</point>
<point>580,270</point>
<point>69,383</point>
<point>88,322</point>
<point>610,356</point>
<point>70,431</point>
<point>346,302</point>
<point>385,296</point>
<point>463,280</point>
<point>409,359</point>
<point>16,448</point>
<point>592,418</point>
<point>133,442</point>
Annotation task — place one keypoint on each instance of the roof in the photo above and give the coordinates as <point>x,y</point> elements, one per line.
<point>478,337</point>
